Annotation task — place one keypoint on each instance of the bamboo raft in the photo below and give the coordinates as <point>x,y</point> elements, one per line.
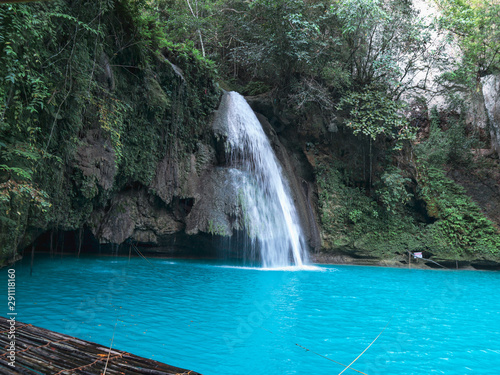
<point>40,351</point>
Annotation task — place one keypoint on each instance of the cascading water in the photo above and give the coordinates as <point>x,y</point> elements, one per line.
<point>267,211</point>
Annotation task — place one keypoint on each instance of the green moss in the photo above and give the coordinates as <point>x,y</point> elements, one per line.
<point>215,228</point>
<point>353,221</point>
<point>461,228</point>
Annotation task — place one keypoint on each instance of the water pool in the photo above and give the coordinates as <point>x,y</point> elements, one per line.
<point>218,319</point>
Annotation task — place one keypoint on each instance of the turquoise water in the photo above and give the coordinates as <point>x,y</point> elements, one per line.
<point>218,319</point>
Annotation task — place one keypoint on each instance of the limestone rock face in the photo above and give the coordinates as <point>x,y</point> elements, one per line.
<point>491,94</point>
<point>215,211</point>
<point>96,159</point>
<point>135,215</point>
<point>181,176</point>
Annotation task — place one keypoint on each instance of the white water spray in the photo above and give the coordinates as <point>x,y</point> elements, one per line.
<point>267,209</point>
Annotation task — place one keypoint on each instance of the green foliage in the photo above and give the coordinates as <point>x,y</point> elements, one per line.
<point>393,192</point>
<point>352,220</point>
<point>111,113</point>
<point>452,146</point>
<point>372,113</point>
<point>255,88</point>
<point>193,21</point>
<point>75,74</point>
<point>284,38</point>
<point>198,95</point>
<point>355,216</point>
<point>356,56</point>
<point>216,228</point>
<point>462,73</point>
<point>340,204</point>
<point>380,40</point>
<point>24,93</point>
<point>435,150</point>
<point>461,227</point>
<point>475,24</point>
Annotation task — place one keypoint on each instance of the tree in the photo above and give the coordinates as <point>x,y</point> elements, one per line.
<point>475,24</point>
<point>275,39</point>
<point>385,42</point>
<point>372,113</point>
<point>191,20</point>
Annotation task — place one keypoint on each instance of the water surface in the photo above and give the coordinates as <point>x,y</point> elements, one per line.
<point>221,319</point>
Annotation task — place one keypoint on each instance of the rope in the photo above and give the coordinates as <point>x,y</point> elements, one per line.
<point>142,256</point>
<point>300,346</point>
<point>346,367</point>
<point>368,347</point>
<point>17,328</point>
<point>109,352</point>
<point>88,365</point>
<point>430,260</point>
<point>318,354</point>
<point>156,268</point>
<point>38,347</point>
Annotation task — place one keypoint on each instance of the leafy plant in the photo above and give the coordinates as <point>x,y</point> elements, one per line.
<point>452,146</point>
<point>350,219</point>
<point>461,226</point>
<point>372,113</point>
<point>474,24</point>
<point>393,194</point>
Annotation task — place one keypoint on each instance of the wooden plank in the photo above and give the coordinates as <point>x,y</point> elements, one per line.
<point>40,351</point>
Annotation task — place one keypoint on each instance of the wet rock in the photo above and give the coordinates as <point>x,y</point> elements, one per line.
<point>134,215</point>
<point>96,159</point>
<point>182,176</point>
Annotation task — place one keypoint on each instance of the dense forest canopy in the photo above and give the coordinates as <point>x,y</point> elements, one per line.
<point>76,71</point>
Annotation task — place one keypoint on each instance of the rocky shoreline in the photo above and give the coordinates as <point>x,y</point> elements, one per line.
<point>403,262</point>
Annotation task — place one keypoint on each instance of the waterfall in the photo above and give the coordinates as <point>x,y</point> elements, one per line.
<point>267,210</point>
